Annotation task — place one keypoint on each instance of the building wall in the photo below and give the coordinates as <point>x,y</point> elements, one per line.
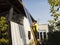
<point>28,16</point>
<point>20,32</point>
<point>43,28</point>
<point>15,34</point>
<point>27,28</point>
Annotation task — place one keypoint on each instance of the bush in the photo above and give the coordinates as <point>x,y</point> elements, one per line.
<point>54,38</point>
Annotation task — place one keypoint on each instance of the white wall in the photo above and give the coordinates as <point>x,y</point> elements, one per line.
<point>27,28</point>
<point>20,32</point>
<point>15,34</point>
<point>43,27</point>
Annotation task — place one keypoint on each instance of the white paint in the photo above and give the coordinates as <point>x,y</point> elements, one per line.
<point>43,28</point>
<point>15,34</point>
<point>28,16</point>
<point>27,28</point>
<point>20,32</point>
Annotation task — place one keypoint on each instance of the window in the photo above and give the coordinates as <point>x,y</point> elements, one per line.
<point>44,35</point>
<point>41,35</point>
<point>29,35</point>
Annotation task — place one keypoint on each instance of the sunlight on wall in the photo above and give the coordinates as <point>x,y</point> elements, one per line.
<point>27,28</point>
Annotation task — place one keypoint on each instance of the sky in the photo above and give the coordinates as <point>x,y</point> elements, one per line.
<point>39,9</point>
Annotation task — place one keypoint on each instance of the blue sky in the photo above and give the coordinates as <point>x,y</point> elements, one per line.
<point>39,9</point>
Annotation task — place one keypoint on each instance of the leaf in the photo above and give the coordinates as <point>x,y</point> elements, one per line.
<point>5,33</point>
<point>4,40</point>
<point>3,24</point>
<point>3,27</point>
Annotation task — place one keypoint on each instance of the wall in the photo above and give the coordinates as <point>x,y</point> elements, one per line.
<point>15,34</point>
<point>27,28</point>
<point>43,28</point>
<point>20,32</point>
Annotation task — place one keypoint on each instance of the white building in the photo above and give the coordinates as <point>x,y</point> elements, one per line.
<point>43,30</point>
<point>19,22</point>
<point>20,33</point>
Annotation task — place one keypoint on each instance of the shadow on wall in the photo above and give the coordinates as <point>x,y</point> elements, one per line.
<point>22,34</point>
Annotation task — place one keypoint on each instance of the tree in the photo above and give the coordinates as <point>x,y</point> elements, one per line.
<point>54,10</point>
<point>3,28</point>
<point>54,38</point>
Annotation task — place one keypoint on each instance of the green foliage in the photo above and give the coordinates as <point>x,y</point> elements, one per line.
<point>51,22</point>
<point>53,5</point>
<point>54,2</point>
<point>3,27</point>
<point>5,33</point>
<point>4,40</point>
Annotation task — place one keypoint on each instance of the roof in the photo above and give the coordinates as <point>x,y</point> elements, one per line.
<point>6,4</point>
<point>27,13</point>
<point>17,4</point>
<point>32,18</point>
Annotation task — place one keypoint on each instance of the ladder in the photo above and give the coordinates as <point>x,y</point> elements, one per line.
<point>35,39</point>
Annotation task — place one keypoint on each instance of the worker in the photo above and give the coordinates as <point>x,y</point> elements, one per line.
<point>35,28</point>
<point>36,25</point>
